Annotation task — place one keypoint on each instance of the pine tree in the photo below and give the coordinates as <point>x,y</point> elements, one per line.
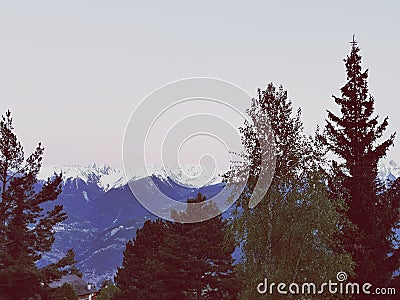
<point>26,231</point>
<point>173,260</point>
<point>289,235</point>
<point>134,277</point>
<point>354,137</point>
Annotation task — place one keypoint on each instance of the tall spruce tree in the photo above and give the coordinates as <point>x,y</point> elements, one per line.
<point>173,260</point>
<point>26,231</point>
<point>354,136</point>
<point>290,235</point>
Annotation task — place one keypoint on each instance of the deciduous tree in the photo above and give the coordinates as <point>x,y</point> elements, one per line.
<point>290,235</point>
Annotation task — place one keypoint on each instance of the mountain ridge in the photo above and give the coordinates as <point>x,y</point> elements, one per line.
<point>107,177</point>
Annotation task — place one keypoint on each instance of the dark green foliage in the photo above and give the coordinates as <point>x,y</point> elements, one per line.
<point>290,235</point>
<point>135,274</point>
<point>64,292</point>
<point>26,231</point>
<point>374,210</point>
<point>172,260</point>
<point>107,291</point>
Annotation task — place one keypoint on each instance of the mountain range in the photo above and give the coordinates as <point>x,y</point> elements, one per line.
<point>103,214</point>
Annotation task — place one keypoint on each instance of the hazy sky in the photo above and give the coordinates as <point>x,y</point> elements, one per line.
<point>72,72</point>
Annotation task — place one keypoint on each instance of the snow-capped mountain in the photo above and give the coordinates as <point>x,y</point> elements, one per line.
<point>107,178</point>
<point>103,214</point>
<point>389,170</point>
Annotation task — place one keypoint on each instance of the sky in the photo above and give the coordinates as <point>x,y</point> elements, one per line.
<point>72,72</point>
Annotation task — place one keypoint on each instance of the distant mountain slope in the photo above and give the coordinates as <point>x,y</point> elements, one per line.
<point>120,214</point>
<point>103,214</point>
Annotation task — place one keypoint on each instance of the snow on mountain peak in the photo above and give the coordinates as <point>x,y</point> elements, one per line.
<point>107,177</point>
<point>103,175</point>
<point>389,170</point>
